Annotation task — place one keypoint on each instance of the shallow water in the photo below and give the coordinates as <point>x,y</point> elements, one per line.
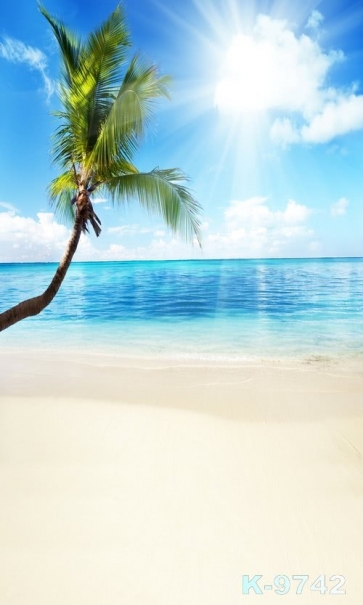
<point>213,309</point>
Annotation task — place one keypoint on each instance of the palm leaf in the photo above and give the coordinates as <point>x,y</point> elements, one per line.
<point>69,45</point>
<point>130,112</point>
<point>106,49</point>
<point>65,150</point>
<point>61,191</point>
<point>118,167</point>
<point>160,192</point>
<point>102,124</point>
<point>106,52</point>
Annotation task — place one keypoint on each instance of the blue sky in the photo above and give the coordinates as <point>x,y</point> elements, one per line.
<point>266,118</point>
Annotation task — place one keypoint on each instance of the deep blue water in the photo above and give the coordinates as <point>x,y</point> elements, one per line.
<point>213,308</point>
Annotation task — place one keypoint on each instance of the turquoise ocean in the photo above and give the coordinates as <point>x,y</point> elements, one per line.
<point>199,309</point>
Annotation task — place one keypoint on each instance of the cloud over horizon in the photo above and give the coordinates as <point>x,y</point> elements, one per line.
<point>24,239</point>
<point>250,228</point>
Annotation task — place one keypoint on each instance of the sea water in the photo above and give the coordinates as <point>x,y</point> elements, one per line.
<point>208,309</point>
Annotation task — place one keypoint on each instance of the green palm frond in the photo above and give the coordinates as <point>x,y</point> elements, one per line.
<point>106,52</point>
<point>76,102</point>
<point>65,149</point>
<point>61,191</point>
<point>161,192</point>
<point>145,79</point>
<point>106,49</point>
<point>130,113</point>
<point>75,83</point>
<point>117,168</point>
<point>69,45</point>
<point>105,110</point>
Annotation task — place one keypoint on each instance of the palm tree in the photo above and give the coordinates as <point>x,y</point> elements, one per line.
<point>106,105</point>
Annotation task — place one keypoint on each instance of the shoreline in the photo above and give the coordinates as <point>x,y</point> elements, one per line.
<point>60,368</point>
<point>352,359</point>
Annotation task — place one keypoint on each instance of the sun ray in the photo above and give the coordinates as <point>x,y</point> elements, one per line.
<point>253,76</point>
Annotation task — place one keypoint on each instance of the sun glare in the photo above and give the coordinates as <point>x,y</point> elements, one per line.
<point>249,79</point>
<point>261,83</point>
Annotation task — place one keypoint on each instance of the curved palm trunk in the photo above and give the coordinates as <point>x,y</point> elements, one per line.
<point>35,305</point>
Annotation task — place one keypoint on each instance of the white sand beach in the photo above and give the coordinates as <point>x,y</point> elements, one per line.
<point>161,483</point>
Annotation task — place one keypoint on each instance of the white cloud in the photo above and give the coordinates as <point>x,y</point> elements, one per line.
<point>284,132</point>
<point>99,200</point>
<point>250,228</point>
<point>9,207</point>
<point>255,212</point>
<point>296,213</point>
<point>253,229</point>
<point>252,211</point>
<point>315,20</point>
<point>158,249</point>
<point>339,208</point>
<point>275,70</point>
<point>129,230</point>
<point>336,118</point>
<point>16,51</point>
<point>25,239</point>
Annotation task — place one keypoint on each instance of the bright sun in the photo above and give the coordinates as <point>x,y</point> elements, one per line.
<point>249,79</point>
